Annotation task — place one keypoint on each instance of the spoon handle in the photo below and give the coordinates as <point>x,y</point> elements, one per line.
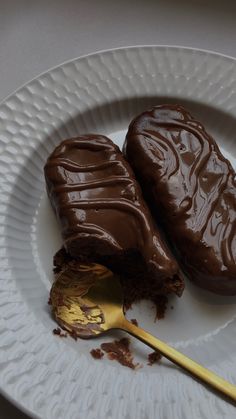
<point>183,361</point>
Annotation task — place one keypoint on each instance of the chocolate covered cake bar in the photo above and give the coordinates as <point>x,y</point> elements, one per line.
<point>104,219</point>
<point>191,189</point>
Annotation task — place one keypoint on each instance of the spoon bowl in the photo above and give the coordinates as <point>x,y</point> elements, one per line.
<point>88,301</point>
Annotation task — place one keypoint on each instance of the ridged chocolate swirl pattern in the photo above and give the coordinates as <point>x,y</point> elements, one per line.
<point>192,188</point>
<point>99,204</point>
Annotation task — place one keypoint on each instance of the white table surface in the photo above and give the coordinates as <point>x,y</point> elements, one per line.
<point>36,35</point>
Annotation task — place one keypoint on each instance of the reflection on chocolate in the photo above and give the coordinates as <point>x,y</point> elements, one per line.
<point>191,188</point>
<point>102,214</point>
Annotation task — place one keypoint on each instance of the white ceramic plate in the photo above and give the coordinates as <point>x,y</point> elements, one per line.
<point>57,378</point>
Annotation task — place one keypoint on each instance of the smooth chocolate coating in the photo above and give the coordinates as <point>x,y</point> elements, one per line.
<point>100,207</point>
<point>191,188</point>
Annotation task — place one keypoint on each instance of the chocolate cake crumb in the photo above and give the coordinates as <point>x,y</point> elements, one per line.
<point>154,357</point>
<point>119,350</point>
<point>59,332</point>
<point>134,321</point>
<point>160,306</point>
<point>74,335</point>
<point>97,353</point>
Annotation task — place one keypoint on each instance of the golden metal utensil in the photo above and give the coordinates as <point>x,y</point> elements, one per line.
<point>89,301</point>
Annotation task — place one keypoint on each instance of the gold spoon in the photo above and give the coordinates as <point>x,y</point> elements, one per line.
<point>87,300</point>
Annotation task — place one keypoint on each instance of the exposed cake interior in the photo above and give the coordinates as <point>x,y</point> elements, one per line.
<point>136,282</point>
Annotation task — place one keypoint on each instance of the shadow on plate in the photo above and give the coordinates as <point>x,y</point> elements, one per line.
<point>8,410</point>
<point>207,296</point>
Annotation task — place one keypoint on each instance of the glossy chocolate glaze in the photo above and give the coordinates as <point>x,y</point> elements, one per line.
<point>100,208</point>
<point>191,188</point>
